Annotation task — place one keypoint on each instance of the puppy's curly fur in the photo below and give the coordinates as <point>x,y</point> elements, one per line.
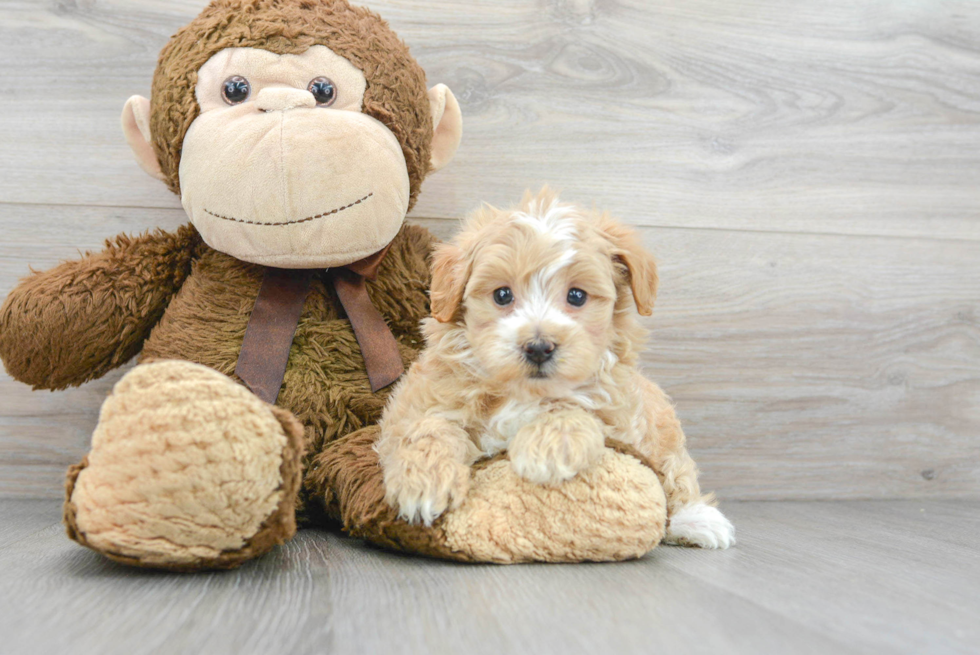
<point>532,349</point>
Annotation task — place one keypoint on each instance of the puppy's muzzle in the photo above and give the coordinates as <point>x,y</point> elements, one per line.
<point>539,351</point>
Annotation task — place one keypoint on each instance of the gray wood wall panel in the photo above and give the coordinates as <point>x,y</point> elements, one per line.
<point>806,173</point>
<point>851,117</point>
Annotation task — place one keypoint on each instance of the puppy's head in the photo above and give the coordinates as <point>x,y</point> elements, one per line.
<point>544,291</point>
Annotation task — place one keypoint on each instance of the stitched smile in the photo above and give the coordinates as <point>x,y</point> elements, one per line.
<point>301,220</point>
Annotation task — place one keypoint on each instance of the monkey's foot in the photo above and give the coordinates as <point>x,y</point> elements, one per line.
<point>613,511</point>
<point>188,470</point>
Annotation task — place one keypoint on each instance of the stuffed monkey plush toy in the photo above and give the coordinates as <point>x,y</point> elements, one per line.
<point>297,134</point>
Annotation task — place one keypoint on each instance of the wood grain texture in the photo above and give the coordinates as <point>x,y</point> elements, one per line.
<point>843,577</point>
<point>806,173</point>
<point>843,117</point>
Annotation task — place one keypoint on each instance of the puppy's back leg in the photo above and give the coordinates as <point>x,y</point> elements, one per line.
<point>693,520</point>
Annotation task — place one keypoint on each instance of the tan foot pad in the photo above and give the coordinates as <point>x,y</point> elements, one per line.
<point>188,470</point>
<point>614,511</point>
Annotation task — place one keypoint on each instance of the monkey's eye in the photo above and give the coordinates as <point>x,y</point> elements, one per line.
<point>577,297</point>
<point>324,91</point>
<point>236,90</point>
<point>503,296</point>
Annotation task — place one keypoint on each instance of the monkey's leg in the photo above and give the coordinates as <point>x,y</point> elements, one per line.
<point>188,470</point>
<point>614,511</point>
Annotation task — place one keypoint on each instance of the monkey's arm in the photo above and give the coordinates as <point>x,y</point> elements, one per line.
<point>79,320</point>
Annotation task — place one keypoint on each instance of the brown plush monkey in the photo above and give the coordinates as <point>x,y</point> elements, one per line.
<point>298,134</point>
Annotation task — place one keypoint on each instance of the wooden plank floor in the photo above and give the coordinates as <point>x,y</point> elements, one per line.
<point>805,577</point>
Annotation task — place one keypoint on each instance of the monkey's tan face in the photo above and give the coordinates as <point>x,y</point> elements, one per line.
<point>281,168</point>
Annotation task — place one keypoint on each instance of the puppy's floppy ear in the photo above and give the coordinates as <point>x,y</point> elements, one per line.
<point>640,265</point>
<point>449,274</point>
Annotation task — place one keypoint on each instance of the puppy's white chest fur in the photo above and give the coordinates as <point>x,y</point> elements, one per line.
<point>504,424</point>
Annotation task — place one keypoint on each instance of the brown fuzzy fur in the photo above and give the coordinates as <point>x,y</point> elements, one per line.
<point>395,95</point>
<point>351,477</point>
<point>79,320</point>
<point>325,385</point>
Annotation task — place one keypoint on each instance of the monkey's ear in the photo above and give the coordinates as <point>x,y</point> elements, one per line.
<point>639,263</point>
<point>447,125</point>
<point>136,127</point>
<point>449,274</point>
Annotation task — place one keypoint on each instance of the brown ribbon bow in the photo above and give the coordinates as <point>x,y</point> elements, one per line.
<point>272,326</point>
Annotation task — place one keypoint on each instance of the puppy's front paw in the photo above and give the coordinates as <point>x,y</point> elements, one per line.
<point>701,525</point>
<point>556,447</point>
<point>422,492</point>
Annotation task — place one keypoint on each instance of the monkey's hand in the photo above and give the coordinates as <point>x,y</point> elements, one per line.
<point>425,468</point>
<point>79,320</point>
<point>557,446</point>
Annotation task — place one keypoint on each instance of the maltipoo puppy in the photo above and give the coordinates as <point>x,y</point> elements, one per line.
<point>532,348</point>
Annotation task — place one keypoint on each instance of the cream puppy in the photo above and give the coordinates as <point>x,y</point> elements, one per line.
<point>532,348</point>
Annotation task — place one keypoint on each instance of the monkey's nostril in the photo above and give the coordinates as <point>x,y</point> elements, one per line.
<point>539,351</point>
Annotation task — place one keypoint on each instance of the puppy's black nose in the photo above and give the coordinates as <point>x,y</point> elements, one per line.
<point>538,351</point>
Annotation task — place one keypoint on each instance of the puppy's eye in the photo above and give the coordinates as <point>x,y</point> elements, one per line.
<point>577,297</point>
<point>324,91</point>
<point>236,90</point>
<point>503,296</point>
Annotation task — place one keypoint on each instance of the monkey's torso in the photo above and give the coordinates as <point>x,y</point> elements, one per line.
<point>325,385</point>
